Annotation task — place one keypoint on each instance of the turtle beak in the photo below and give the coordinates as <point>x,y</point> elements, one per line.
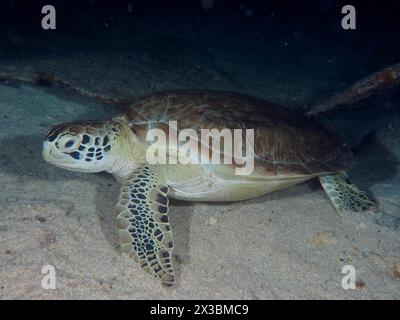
<point>46,152</point>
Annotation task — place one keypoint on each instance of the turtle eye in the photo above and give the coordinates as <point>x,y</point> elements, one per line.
<point>68,143</point>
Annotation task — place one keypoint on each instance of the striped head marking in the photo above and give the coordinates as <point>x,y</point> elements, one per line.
<point>82,146</point>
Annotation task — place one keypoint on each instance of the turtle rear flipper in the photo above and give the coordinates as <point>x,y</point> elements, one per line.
<point>143,224</point>
<point>345,195</point>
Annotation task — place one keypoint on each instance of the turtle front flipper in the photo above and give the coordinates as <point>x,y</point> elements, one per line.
<point>345,195</point>
<point>143,223</point>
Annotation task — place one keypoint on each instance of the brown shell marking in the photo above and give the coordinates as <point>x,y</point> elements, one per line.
<point>285,142</point>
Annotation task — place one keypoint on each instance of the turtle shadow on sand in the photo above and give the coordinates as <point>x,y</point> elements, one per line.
<point>374,164</point>
<point>21,156</point>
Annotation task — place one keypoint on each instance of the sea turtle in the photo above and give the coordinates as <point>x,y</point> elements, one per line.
<point>289,149</point>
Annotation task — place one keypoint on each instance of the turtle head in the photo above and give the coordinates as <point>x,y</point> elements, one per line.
<point>84,146</point>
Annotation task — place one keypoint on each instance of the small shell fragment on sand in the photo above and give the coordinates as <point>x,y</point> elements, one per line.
<point>322,238</point>
<point>211,221</point>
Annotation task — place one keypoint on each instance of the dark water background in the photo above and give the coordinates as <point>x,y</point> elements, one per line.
<point>294,30</point>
